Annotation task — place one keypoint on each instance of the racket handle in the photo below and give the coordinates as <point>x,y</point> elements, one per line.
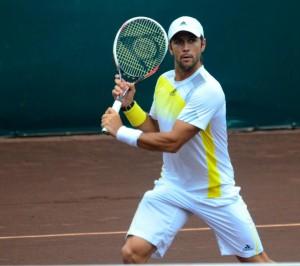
<point>116,106</point>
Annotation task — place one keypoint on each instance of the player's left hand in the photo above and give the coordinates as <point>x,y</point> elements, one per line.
<point>111,121</point>
<point>120,87</point>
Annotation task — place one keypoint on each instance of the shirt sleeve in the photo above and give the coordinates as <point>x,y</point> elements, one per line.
<point>202,105</point>
<point>152,112</point>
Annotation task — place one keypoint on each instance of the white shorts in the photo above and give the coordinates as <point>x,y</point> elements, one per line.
<point>164,210</point>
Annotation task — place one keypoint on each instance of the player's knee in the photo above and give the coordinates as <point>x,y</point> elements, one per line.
<point>131,255</point>
<point>260,258</point>
<point>127,255</point>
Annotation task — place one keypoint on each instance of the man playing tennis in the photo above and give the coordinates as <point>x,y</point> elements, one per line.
<point>187,122</point>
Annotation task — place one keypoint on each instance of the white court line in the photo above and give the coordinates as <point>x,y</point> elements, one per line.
<point>196,229</point>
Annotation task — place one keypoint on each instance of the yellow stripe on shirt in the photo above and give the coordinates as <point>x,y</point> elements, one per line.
<point>169,102</point>
<point>214,179</point>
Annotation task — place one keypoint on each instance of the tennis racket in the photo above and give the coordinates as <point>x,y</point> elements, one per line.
<point>139,48</point>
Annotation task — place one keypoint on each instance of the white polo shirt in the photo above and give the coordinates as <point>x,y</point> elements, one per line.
<point>202,165</point>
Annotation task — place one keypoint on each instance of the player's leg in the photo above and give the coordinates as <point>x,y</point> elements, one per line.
<point>260,258</point>
<point>136,250</point>
<point>154,226</point>
<point>235,231</point>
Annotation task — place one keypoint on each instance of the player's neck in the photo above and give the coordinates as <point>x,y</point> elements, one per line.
<point>181,74</point>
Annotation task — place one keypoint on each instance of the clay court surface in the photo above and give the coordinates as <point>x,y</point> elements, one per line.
<point>69,200</point>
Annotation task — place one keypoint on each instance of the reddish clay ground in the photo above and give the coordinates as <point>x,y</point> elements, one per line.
<point>92,184</point>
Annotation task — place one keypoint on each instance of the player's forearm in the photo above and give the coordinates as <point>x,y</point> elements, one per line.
<point>150,125</point>
<point>162,141</point>
<point>158,141</point>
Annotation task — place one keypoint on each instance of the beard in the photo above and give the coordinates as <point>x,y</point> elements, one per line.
<point>187,67</point>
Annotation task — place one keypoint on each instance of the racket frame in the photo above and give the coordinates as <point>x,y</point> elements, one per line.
<point>118,101</point>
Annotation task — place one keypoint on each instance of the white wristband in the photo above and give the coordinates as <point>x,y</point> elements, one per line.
<point>128,135</point>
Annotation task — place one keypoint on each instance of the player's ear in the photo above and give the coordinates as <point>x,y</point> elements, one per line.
<point>203,44</point>
<point>170,49</point>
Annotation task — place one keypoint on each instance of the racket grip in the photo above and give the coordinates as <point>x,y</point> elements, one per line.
<point>116,106</point>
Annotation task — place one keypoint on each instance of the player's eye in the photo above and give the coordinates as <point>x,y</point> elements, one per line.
<point>176,41</point>
<point>192,39</point>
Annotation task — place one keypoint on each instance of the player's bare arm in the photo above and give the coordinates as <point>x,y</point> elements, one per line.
<point>150,125</point>
<point>157,141</point>
<point>168,141</point>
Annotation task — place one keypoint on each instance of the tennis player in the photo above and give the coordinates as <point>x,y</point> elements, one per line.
<point>187,122</point>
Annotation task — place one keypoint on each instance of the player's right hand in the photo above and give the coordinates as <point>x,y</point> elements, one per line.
<point>120,87</point>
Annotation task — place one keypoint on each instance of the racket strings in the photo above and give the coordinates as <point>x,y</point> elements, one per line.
<point>141,47</point>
